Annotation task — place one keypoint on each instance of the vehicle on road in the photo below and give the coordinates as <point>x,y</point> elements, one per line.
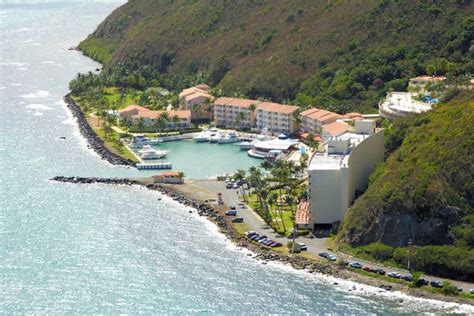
<point>277,244</point>
<point>235,186</point>
<point>323,254</point>
<point>368,269</point>
<point>238,220</point>
<point>423,282</point>
<point>232,207</point>
<point>408,278</point>
<point>229,185</point>
<point>302,246</point>
<point>356,265</point>
<point>332,258</point>
<point>250,233</point>
<point>394,275</point>
<point>436,284</point>
<point>380,271</point>
<point>231,213</point>
<point>471,291</point>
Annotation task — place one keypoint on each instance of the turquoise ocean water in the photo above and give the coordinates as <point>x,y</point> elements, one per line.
<point>100,249</point>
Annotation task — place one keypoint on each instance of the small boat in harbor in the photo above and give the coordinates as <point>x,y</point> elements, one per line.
<point>149,153</point>
<point>246,144</point>
<point>202,136</point>
<point>215,138</point>
<point>140,141</point>
<point>230,137</point>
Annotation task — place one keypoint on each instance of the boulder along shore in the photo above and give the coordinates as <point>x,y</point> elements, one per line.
<point>264,254</point>
<point>94,142</point>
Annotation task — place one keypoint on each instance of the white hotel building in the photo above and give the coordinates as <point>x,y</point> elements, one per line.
<point>339,175</point>
<point>276,118</point>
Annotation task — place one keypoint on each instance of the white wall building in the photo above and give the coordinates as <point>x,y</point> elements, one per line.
<point>313,119</point>
<point>276,118</point>
<point>234,112</point>
<point>337,176</point>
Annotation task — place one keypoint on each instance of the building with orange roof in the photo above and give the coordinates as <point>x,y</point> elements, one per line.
<point>313,119</point>
<point>235,112</point>
<point>197,100</point>
<point>171,177</point>
<point>419,83</point>
<point>131,110</point>
<point>276,118</point>
<point>335,129</point>
<point>180,119</point>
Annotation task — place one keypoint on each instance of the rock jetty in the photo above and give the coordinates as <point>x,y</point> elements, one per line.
<point>93,141</point>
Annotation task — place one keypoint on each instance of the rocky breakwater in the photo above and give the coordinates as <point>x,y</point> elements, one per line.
<point>93,140</point>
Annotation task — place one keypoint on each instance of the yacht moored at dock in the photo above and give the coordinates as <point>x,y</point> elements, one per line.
<point>149,153</point>
<point>141,140</point>
<point>230,137</point>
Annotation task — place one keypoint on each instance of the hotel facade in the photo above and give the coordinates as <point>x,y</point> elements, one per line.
<point>276,118</point>
<point>235,113</point>
<point>339,175</point>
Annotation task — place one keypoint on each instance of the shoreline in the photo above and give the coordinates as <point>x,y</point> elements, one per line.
<point>265,255</point>
<point>92,139</point>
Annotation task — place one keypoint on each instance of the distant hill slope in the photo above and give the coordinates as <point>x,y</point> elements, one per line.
<point>336,54</point>
<point>425,190</point>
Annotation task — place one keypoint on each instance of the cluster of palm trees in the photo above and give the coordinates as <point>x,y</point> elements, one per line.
<point>277,188</point>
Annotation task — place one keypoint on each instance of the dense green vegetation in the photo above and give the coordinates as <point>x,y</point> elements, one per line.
<point>342,55</point>
<point>424,192</point>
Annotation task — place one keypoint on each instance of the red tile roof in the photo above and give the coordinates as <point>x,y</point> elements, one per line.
<point>277,108</point>
<point>241,103</point>
<point>337,128</point>
<point>133,107</point>
<point>302,214</point>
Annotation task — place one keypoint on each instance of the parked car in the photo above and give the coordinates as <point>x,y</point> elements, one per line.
<point>268,242</point>
<point>235,186</point>
<point>368,269</point>
<point>436,284</point>
<point>331,258</point>
<point>273,244</point>
<point>250,233</point>
<point>255,237</point>
<point>238,220</point>
<point>231,213</point>
<point>471,291</point>
<point>380,271</point>
<point>261,238</point>
<point>408,278</point>
<point>303,247</point>
<point>423,282</point>
<point>229,185</point>
<point>394,275</point>
<point>277,244</point>
<point>356,265</point>
<point>232,207</point>
<point>323,254</point>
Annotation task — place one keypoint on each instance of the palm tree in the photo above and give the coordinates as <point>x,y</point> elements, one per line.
<point>165,118</point>
<point>141,124</point>
<point>239,119</point>
<point>175,119</point>
<point>239,175</point>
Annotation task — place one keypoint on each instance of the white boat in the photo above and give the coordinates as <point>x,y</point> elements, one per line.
<point>149,153</point>
<point>215,138</point>
<point>202,136</point>
<point>246,145</point>
<point>140,141</point>
<point>230,137</point>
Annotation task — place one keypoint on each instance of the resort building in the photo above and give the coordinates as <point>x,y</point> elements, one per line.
<point>274,148</point>
<point>418,84</point>
<point>276,118</point>
<point>335,129</point>
<point>340,174</point>
<point>399,104</point>
<point>197,100</point>
<point>234,112</point>
<point>313,119</point>
<point>176,119</point>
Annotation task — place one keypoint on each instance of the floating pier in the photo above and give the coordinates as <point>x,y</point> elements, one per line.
<point>154,166</point>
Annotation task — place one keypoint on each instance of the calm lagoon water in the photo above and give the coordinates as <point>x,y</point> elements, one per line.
<point>100,249</point>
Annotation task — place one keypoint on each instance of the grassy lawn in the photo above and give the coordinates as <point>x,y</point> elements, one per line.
<point>112,95</point>
<point>113,142</point>
<point>277,223</point>
<point>241,228</point>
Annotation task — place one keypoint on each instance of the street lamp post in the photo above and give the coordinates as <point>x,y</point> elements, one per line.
<point>410,242</point>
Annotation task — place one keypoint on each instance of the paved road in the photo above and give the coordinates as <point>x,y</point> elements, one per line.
<point>315,245</point>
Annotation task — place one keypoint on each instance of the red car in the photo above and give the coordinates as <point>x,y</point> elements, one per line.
<point>368,269</point>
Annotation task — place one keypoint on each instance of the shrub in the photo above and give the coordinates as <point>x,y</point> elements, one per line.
<point>450,289</point>
<point>379,251</point>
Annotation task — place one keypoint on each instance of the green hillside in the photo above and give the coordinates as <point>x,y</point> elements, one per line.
<point>338,54</point>
<point>423,192</point>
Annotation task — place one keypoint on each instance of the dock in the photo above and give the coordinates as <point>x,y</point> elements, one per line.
<point>154,166</point>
